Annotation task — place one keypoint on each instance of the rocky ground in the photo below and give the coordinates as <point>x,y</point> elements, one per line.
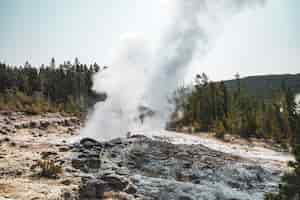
<point>142,168</point>
<point>25,140</point>
<point>158,166</point>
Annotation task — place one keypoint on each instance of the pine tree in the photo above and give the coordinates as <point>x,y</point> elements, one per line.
<point>290,186</point>
<point>52,63</point>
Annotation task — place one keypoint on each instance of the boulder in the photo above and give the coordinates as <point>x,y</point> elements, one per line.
<point>44,124</point>
<point>92,189</point>
<point>89,143</point>
<point>33,124</point>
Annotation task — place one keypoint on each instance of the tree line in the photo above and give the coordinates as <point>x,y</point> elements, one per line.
<point>66,87</point>
<point>210,106</point>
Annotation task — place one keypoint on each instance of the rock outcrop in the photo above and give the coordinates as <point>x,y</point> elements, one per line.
<point>142,168</point>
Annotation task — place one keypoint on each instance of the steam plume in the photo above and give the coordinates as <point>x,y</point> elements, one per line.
<point>142,78</point>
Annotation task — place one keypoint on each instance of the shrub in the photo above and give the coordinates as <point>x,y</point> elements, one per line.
<point>219,129</point>
<point>271,196</point>
<point>48,168</point>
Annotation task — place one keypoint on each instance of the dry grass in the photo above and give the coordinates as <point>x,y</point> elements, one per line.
<point>47,168</point>
<point>115,196</point>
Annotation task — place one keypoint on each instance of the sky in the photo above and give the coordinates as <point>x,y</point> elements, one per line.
<point>264,40</point>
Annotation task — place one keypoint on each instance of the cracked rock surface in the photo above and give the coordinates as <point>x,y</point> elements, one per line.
<point>143,168</point>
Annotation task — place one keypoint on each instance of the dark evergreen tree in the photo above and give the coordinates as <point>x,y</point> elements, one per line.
<point>58,86</point>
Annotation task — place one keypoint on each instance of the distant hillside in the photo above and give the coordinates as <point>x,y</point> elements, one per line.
<point>265,85</point>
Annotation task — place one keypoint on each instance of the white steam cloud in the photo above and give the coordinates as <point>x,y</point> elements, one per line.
<point>141,78</point>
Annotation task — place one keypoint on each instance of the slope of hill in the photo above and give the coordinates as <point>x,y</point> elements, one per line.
<point>264,85</point>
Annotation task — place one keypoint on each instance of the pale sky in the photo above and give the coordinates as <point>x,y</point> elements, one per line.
<point>258,41</point>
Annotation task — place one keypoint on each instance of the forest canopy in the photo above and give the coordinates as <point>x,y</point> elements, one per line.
<point>211,106</point>
<point>48,88</point>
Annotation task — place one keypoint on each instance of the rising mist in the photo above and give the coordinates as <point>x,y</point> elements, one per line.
<point>141,76</point>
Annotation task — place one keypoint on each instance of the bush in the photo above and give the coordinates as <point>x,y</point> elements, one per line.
<point>219,129</point>
<point>270,196</point>
<point>47,168</point>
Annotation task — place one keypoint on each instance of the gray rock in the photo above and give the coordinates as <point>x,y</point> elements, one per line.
<point>92,189</point>
<point>154,169</point>
<point>89,143</point>
<point>44,124</point>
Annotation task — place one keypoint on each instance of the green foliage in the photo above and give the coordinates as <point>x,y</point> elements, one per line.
<point>289,189</point>
<point>290,186</point>
<point>271,196</point>
<point>213,107</point>
<point>66,88</point>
